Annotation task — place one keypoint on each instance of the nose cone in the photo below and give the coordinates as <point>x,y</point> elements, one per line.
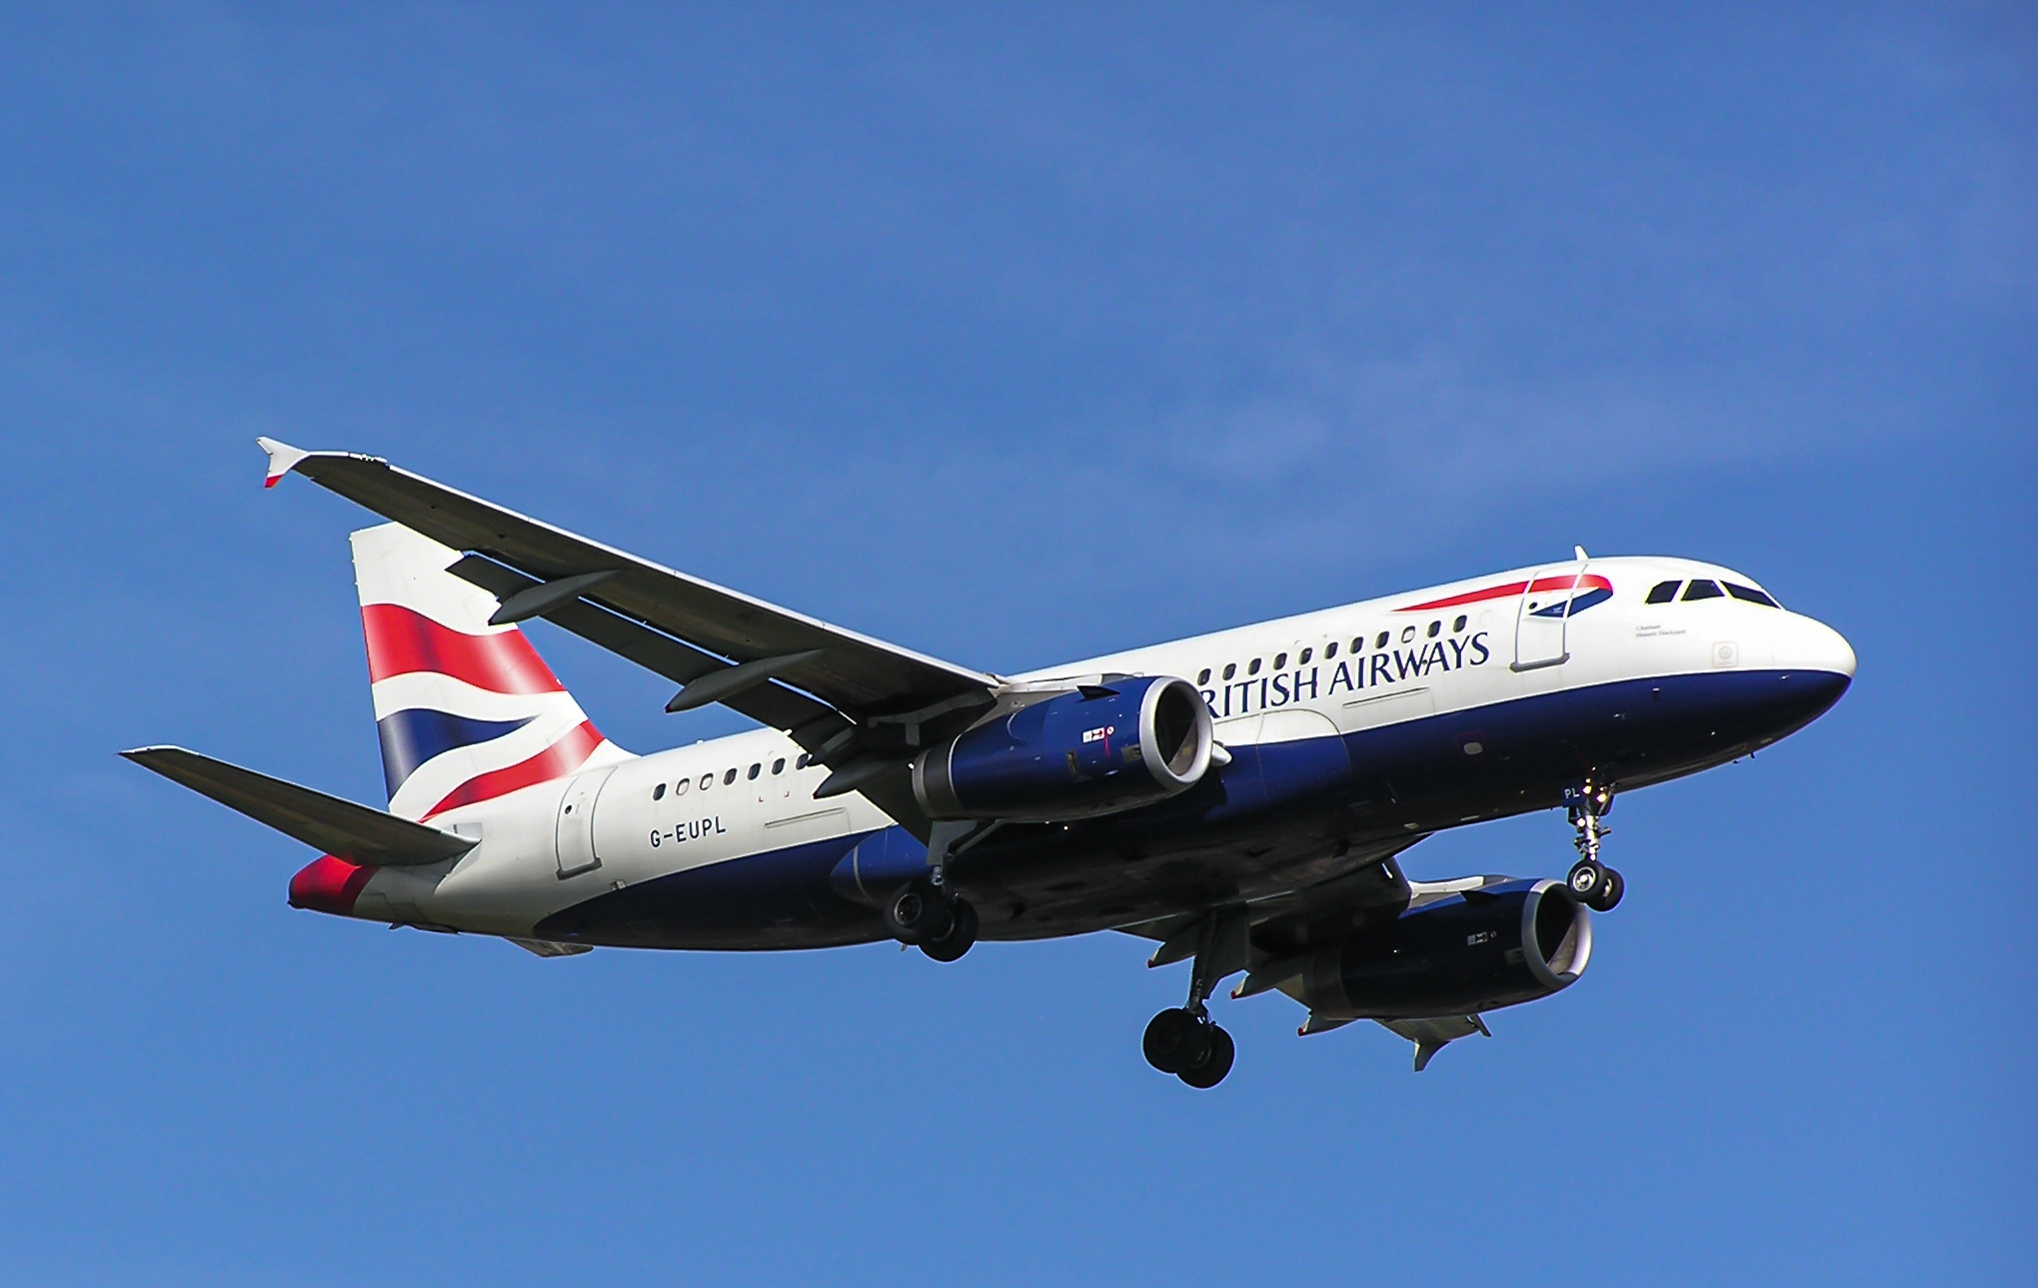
<point>1815,646</point>
<point>1818,666</point>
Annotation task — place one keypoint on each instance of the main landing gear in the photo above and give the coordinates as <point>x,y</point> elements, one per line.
<point>1187,1043</point>
<point>1597,886</point>
<point>1183,1040</point>
<point>925,914</point>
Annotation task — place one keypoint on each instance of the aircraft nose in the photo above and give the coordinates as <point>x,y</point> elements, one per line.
<point>1818,666</point>
<point>1818,647</point>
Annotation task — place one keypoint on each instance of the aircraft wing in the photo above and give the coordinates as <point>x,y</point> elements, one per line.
<point>329,824</point>
<point>857,675</point>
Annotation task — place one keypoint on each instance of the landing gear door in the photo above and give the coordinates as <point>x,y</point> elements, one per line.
<point>575,835</point>
<point>1544,616</point>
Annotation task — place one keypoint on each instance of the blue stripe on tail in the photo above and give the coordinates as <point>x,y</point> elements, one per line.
<point>415,735</point>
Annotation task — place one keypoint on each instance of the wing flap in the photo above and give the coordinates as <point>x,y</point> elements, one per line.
<point>676,660</point>
<point>329,824</point>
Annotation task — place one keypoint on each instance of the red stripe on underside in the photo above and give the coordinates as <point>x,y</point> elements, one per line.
<point>556,761</point>
<point>401,642</point>
<point>1591,581</point>
<point>330,885</point>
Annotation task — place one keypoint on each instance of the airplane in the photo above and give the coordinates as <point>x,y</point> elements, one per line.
<point>1240,798</point>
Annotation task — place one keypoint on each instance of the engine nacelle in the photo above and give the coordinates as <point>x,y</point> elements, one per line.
<point>1475,951</point>
<point>1097,749</point>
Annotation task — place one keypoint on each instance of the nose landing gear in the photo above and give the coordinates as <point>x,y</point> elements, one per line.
<point>1597,886</point>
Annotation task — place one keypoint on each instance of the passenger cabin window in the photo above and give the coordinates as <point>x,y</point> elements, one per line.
<point>778,766</point>
<point>1330,650</point>
<point>1253,669</point>
<point>1434,628</point>
<point>1662,592</point>
<point>1203,676</point>
<point>755,770</point>
<point>1280,661</point>
<point>1360,643</point>
<point>1750,594</point>
<point>1701,590</point>
<point>1458,625</point>
<point>1407,634</point>
<point>803,761</point>
<point>707,781</point>
<point>728,778</point>
<point>658,792</point>
<point>1380,640</point>
<point>679,788</point>
<point>1230,669</point>
<point>1304,659</point>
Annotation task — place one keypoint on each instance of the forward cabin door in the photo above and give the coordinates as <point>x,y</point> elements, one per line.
<point>1543,618</point>
<point>575,835</point>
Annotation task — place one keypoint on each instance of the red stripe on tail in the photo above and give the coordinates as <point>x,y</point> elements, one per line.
<point>401,641</point>
<point>556,761</point>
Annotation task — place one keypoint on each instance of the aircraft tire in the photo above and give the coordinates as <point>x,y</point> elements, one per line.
<point>962,933</point>
<point>1608,896</point>
<point>916,913</point>
<point>1216,1061</point>
<point>1176,1039</point>
<point>1587,879</point>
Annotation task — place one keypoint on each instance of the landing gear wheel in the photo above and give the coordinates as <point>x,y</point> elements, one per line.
<point>1611,888</point>
<point>917,913</point>
<point>1177,1039</point>
<point>1587,879</point>
<point>1215,1064</point>
<point>962,932</point>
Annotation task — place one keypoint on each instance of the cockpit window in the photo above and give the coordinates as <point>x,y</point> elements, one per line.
<point>1662,592</point>
<point>1750,594</point>
<point>1701,590</point>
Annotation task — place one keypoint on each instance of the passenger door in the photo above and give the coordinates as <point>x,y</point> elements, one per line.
<point>574,838</point>
<point>1543,617</point>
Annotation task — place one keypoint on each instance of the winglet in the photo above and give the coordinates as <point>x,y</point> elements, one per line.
<point>283,458</point>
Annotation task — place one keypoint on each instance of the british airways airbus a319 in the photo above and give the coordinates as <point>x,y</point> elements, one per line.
<point>1240,798</point>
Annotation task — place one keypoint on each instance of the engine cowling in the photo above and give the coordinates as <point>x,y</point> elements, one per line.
<point>1511,942</point>
<point>1093,750</point>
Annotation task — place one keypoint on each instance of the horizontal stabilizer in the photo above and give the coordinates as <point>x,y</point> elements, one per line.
<point>329,824</point>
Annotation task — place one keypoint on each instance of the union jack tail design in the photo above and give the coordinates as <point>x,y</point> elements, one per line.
<point>466,711</point>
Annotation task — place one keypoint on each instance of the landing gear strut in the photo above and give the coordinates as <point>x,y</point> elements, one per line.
<point>1597,886</point>
<point>924,913</point>
<point>1184,1040</point>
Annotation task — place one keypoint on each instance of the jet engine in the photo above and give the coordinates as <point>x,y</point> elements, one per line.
<point>1472,951</point>
<point>1095,749</point>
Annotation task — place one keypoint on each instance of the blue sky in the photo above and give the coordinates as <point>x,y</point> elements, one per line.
<point>1014,336</point>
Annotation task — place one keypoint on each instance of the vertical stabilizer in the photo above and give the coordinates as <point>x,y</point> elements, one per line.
<point>466,711</point>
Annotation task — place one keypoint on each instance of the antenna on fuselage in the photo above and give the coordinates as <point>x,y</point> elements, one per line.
<point>1579,552</point>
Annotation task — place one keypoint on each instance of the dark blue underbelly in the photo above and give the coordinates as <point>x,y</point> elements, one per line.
<point>1277,817</point>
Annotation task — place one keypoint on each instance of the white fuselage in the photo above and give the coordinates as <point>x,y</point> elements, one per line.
<point>1336,672</point>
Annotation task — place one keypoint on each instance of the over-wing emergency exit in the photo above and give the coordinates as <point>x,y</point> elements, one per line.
<point>1240,798</point>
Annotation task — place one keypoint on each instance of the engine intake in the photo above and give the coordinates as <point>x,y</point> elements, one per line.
<point>1478,950</point>
<point>1097,749</point>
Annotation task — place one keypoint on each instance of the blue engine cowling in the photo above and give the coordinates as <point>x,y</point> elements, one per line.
<point>1092,750</point>
<point>1478,950</point>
